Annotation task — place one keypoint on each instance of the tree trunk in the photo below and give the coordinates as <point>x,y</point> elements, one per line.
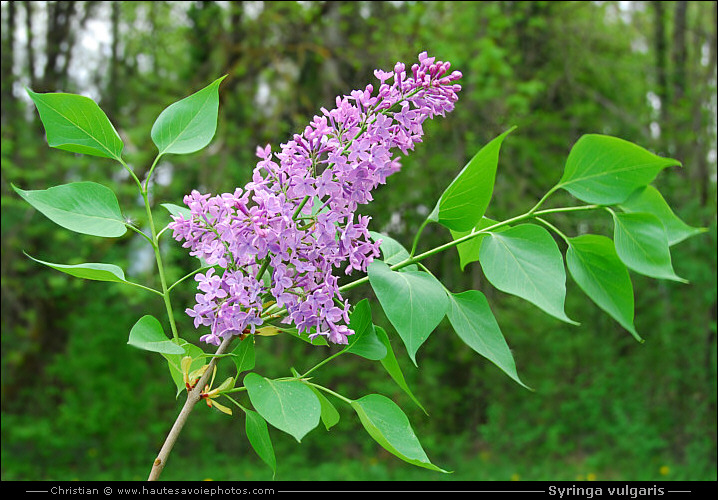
<point>111,98</point>
<point>29,47</point>
<point>681,136</point>
<point>661,71</point>
<point>701,119</point>
<point>679,51</point>
<point>8,74</point>
<point>58,45</point>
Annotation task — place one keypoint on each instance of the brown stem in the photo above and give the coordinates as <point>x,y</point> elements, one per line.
<point>192,398</point>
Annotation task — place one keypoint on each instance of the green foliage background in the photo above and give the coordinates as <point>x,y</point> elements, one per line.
<point>78,403</point>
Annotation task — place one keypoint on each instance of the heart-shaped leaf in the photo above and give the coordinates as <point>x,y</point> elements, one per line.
<point>330,415</point>
<point>605,170</point>
<point>188,125</point>
<point>391,365</point>
<point>414,302</point>
<point>474,323</point>
<point>389,426</point>
<point>244,354</point>
<point>147,334</point>
<point>289,405</point>
<point>525,261</point>
<point>175,210</point>
<point>642,245</point>
<point>364,342</point>
<point>258,435</point>
<point>649,200</point>
<point>464,202</point>
<point>89,270</point>
<point>595,267</point>
<point>83,207</point>
<point>76,123</point>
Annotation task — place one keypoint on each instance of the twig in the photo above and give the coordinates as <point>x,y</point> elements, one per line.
<point>192,398</point>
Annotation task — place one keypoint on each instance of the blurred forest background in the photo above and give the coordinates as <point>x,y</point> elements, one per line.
<point>78,403</point>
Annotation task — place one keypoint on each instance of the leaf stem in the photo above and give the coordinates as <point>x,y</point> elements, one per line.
<point>568,209</point>
<point>162,231</point>
<point>329,391</point>
<point>233,401</point>
<point>140,232</point>
<point>187,276</point>
<point>542,200</point>
<point>137,181</point>
<point>143,287</point>
<point>324,361</point>
<point>232,390</point>
<point>553,228</point>
<point>149,174</point>
<point>416,238</point>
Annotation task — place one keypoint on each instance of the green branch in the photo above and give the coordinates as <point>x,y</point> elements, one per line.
<point>414,259</point>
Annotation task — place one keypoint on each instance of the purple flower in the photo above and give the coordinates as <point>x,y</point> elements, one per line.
<point>296,220</point>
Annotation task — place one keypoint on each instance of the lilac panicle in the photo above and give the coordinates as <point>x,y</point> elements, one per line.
<point>296,220</point>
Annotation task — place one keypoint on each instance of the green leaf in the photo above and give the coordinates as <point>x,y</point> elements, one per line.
<point>174,362</point>
<point>83,207</point>
<point>367,345</point>
<point>244,354</point>
<point>525,261</point>
<point>474,323</point>
<point>258,435</point>
<point>76,123</point>
<point>464,202</point>
<point>176,210</point>
<point>289,405</point>
<point>642,245</point>
<point>147,334</point>
<point>318,340</point>
<point>392,251</point>
<point>188,125</point>
<point>318,206</point>
<point>469,250</point>
<point>389,426</point>
<point>649,200</point>
<point>89,270</point>
<point>364,342</point>
<point>596,268</point>
<point>391,365</point>
<point>360,317</point>
<point>413,301</point>
<point>606,170</point>
<point>330,415</point>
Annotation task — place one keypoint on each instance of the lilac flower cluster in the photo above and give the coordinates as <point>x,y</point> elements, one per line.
<point>295,221</point>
